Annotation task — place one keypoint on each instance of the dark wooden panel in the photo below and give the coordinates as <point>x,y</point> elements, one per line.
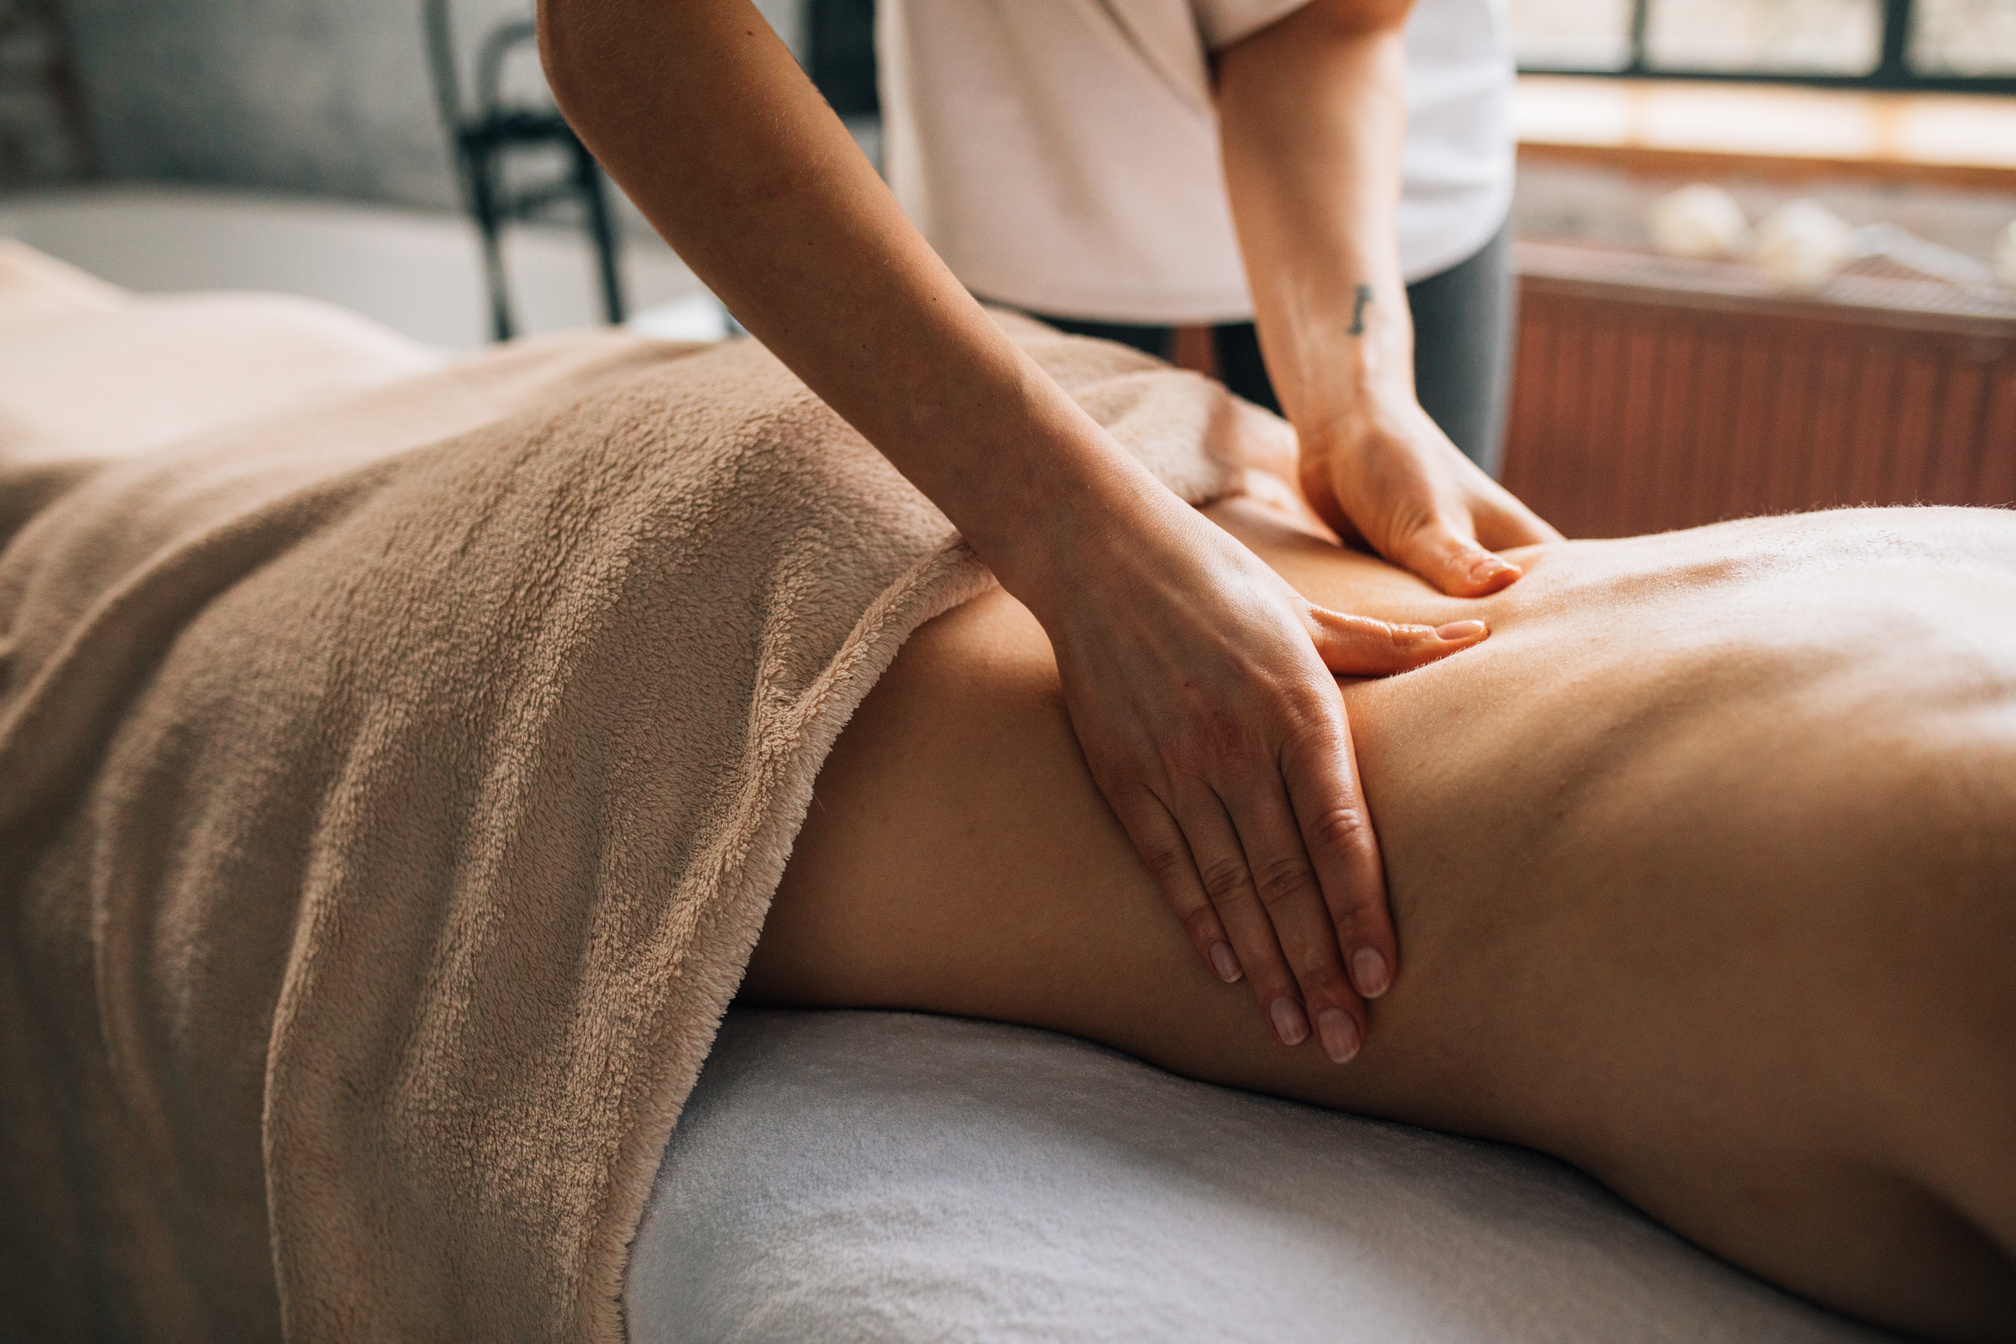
<point>1959,440</point>
<point>1996,483</point>
<point>1639,405</point>
<point>1913,465</point>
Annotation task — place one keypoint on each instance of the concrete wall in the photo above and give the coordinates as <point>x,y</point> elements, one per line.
<point>323,97</point>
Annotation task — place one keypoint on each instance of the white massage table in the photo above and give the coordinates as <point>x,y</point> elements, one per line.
<point>844,1176</point>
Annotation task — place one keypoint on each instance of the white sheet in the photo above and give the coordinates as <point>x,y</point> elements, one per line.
<point>897,1177</point>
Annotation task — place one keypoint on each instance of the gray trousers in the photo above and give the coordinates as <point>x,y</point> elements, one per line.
<point>1462,349</point>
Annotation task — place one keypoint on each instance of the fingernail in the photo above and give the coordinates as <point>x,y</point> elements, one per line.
<point>1225,962</point>
<point>1490,567</point>
<point>1369,973</point>
<point>1289,1025</point>
<point>1459,630</point>
<point>1339,1033</point>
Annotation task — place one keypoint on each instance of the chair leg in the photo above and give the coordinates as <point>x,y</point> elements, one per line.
<point>481,159</point>
<point>601,228</point>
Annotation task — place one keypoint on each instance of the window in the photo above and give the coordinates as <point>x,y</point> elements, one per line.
<point>1572,34</point>
<point>1954,45</point>
<point>1964,37</point>
<point>1835,37</point>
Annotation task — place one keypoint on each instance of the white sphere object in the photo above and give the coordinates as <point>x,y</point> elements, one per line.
<point>1802,242</point>
<point>2005,255</point>
<point>1700,221</point>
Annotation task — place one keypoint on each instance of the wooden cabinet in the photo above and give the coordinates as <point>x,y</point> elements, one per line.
<point>1653,393</point>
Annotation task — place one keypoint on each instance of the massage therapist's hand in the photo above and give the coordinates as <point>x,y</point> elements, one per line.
<point>1202,690</point>
<point>1312,111</point>
<point>1383,473</point>
<point>1199,682</point>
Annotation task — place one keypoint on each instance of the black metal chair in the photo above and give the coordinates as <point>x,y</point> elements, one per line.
<point>484,139</point>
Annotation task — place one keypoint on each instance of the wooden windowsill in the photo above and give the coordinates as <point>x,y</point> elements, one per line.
<point>1705,129</point>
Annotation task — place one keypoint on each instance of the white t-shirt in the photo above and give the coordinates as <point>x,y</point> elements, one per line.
<point>1062,155</point>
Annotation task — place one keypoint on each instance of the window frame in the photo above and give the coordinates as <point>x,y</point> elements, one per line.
<point>1892,73</point>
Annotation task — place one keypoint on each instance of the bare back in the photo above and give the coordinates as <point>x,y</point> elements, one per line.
<point>1703,865</point>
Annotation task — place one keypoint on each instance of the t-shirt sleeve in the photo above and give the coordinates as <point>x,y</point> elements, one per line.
<point>1223,22</point>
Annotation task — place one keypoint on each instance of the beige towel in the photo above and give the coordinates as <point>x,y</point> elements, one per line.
<point>391,793</point>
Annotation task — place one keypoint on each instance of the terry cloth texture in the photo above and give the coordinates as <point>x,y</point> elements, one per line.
<point>391,792</point>
<point>897,1178</point>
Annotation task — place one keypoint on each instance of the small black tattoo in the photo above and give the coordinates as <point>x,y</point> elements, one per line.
<point>1357,327</point>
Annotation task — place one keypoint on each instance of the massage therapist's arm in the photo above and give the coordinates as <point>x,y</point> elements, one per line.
<point>1195,677</point>
<point>1312,111</point>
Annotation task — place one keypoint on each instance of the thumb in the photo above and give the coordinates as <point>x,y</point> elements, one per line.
<point>1361,646</point>
<point>1449,560</point>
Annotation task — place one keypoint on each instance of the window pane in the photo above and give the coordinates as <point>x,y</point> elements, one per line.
<point>1572,34</point>
<point>1964,37</point>
<point>1838,37</point>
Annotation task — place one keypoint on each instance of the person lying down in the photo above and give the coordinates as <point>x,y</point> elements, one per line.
<point>1703,866</point>
<point>394,790</point>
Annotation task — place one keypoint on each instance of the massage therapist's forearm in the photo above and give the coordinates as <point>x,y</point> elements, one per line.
<point>1200,685</point>
<point>702,115</point>
<point>1313,115</point>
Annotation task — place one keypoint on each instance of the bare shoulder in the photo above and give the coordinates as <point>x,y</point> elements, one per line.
<point>1888,631</point>
<point>1941,560</point>
<point>1877,642</point>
